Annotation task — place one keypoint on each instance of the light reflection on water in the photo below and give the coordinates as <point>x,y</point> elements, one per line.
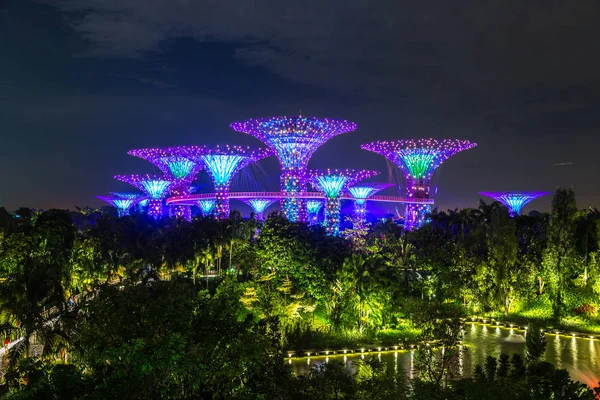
<point>577,355</point>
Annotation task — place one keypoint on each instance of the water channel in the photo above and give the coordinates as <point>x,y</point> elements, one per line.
<point>579,356</point>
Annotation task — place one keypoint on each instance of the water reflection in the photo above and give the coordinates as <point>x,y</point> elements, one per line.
<point>577,355</point>
<point>557,351</point>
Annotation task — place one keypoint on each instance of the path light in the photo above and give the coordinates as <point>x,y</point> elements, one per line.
<point>362,350</point>
<point>379,349</point>
<point>345,351</point>
<point>327,352</point>
<point>395,347</point>
<point>289,355</point>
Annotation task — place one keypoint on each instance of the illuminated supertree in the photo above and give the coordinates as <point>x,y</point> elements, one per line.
<point>361,193</point>
<point>294,140</point>
<point>156,188</point>
<point>177,165</point>
<point>259,206</point>
<point>206,206</point>
<point>332,182</point>
<point>222,163</point>
<point>141,200</point>
<point>313,207</point>
<point>418,159</point>
<point>514,201</point>
<point>122,205</point>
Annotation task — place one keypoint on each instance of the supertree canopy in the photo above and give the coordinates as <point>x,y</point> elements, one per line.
<point>128,195</point>
<point>313,207</point>
<point>332,182</point>
<point>207,206</point>
<point>294,140</point>
<point>259,206</point>
<point>222,163</point>
<point>155,186</point>
<point>418,159</point>
<point>361,193</point>
<point>176,164</point>
<point>122,205</point>
<point>514,201</point>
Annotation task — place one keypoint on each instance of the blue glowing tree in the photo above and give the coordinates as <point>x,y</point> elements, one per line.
<point>206,206</point>
<point>122,205</point>
<point>313,207</point>
<point>156,187</point>
<point>514,201</point>
<point>222,163</point>
<point>294,140</point>
<point>418,159</point>
<point>176,164</point>
<point>361,193</point>
<point>259,206</point>
<point>332,182</point>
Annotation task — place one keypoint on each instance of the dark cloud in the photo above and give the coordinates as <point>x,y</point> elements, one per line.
<point>391,46</point>
<point>84,80</point>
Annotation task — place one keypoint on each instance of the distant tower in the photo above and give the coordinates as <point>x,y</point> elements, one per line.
<point>418,159</point>
<point>294,140</point>
<point>259,206</point>
<point>222,163</point>
<point>361,193</point>
<point>313,207</point>
<point>122,205</point>
<point>176,165</point>
<point>332,182</point>
<point>514,201</point>
<point>206,206</point>
<point>156,188</point>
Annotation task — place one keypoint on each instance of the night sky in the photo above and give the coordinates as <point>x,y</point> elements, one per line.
<point>83,81</point>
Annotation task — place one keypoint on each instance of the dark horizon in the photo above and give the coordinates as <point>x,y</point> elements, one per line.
<point>84,81</point>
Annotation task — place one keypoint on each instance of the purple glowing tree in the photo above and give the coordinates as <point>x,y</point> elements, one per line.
<point>123,205</point>
<point>514,201</point>
<point>222,163</point>
<point>156,187</point>
<point>294,140</point>
<point>259,205</point>
<point>332,183</point>
<point>418,159</point>
<point>178,166</point>
<point>361,193</point>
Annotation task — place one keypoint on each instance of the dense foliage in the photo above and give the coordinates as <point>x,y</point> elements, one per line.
<point>135,308</point>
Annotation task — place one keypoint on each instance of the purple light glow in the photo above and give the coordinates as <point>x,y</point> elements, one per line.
<point>294,140</point>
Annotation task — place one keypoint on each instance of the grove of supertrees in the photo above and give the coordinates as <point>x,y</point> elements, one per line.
<point>361,193</point>
<point>293,140</point>
<point>418,159</point>
<point>332,183</point>
<point>178,167</point>
<point>156,187</point>
<point>514,201</point>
